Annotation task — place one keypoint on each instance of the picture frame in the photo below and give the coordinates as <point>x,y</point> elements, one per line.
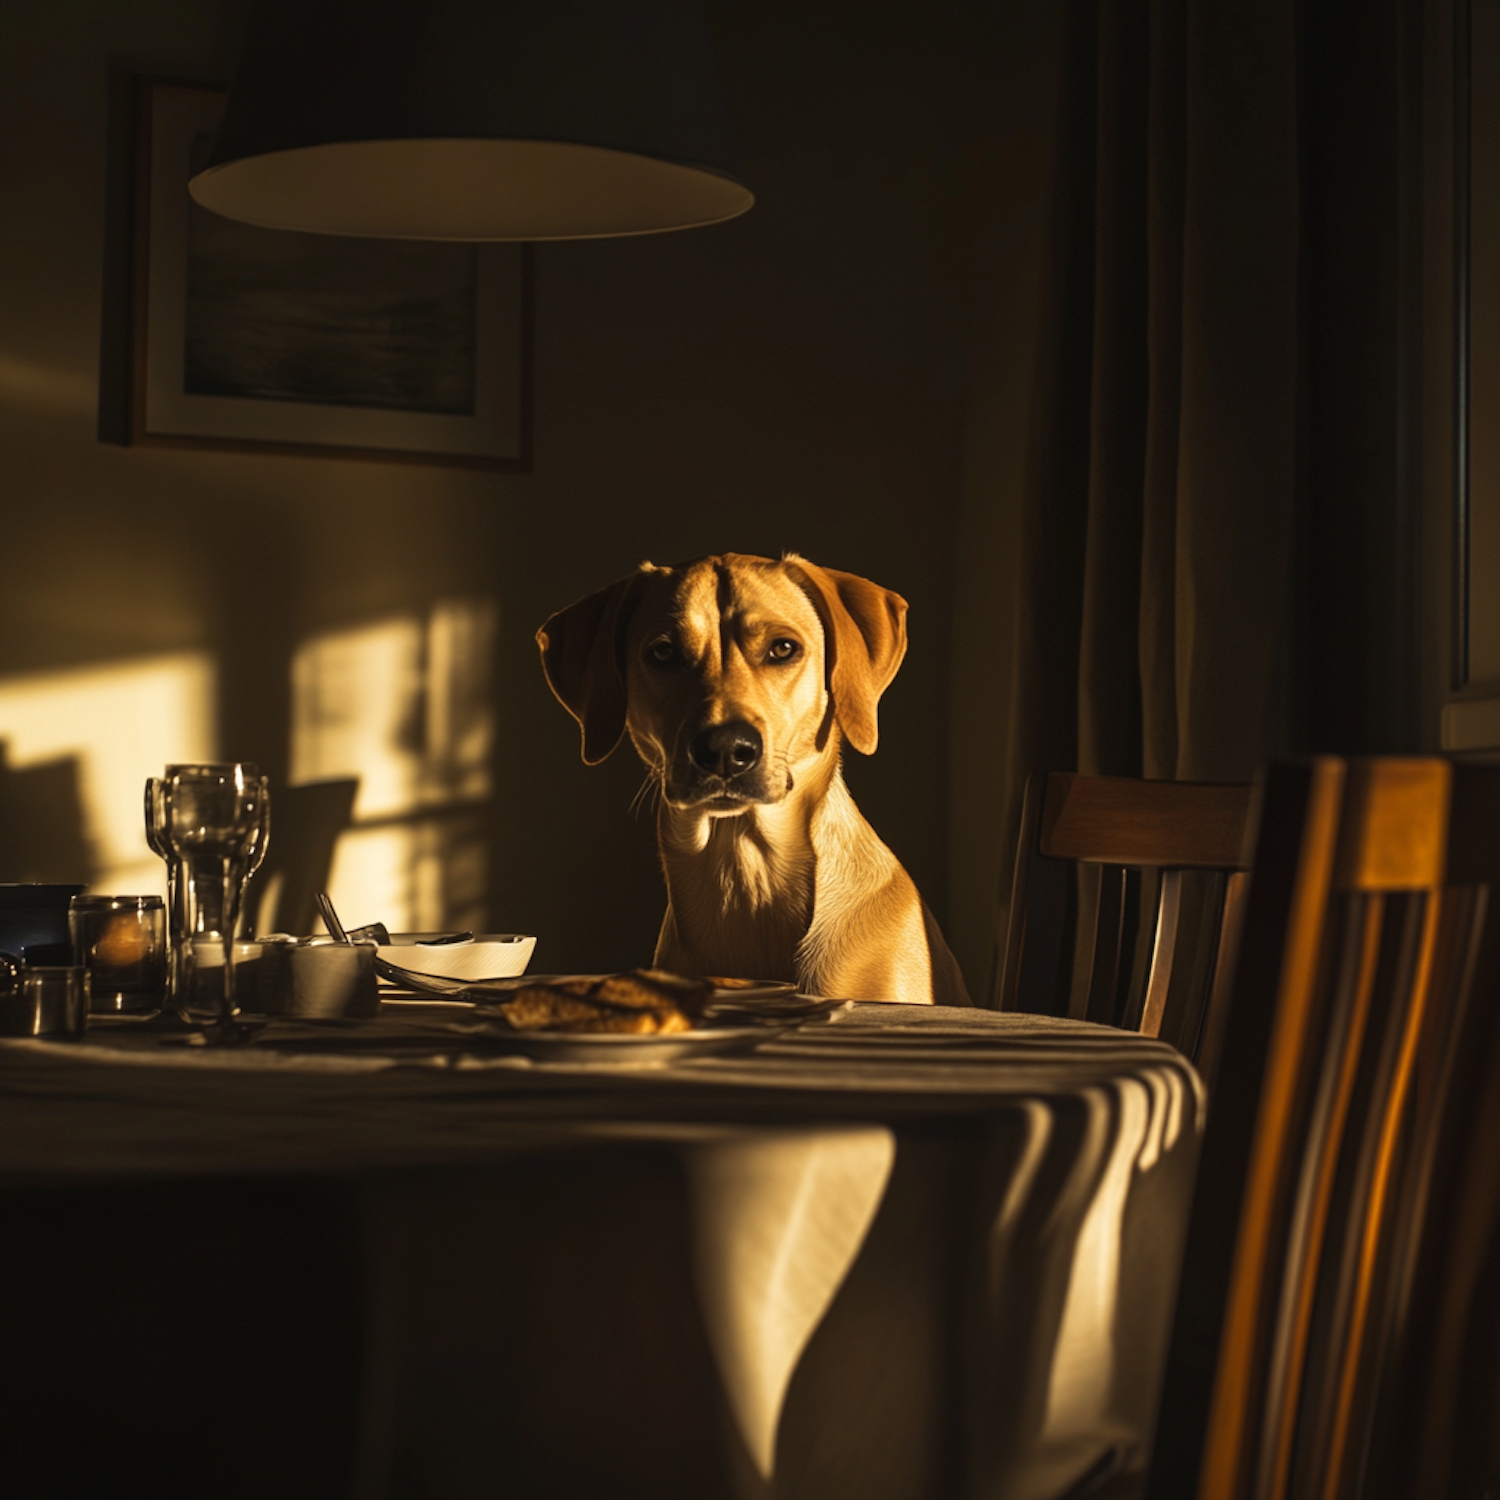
<point>270,341</point>
<point>1461,373</point>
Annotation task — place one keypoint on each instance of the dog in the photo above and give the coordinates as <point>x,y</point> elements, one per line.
<point>738,679</point>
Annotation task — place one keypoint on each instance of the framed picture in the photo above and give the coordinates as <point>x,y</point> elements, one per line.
<point>1462,370</point>
<point>252,339</point>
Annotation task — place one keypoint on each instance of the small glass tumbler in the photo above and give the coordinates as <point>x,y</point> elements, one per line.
<point>122,942</point>
<point>46,1001</point>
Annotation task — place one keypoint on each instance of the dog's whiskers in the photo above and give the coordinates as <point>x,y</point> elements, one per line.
<point>650,784</point>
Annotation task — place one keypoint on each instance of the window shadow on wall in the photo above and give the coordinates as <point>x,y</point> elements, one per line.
<point>42,827</point>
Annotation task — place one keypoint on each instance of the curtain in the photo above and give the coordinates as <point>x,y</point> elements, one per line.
<point>1156,572</point>
<point>1221,550</point>
<point>1161,491</point>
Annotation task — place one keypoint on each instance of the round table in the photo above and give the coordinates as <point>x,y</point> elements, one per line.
<point>904,1251</point>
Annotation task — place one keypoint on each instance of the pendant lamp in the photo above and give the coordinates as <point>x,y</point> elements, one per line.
<point>475,120</point>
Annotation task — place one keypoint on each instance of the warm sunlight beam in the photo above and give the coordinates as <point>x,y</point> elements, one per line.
<point>404,703</point>
<point>116,725</point>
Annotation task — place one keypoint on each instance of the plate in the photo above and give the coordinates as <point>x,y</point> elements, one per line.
<point>627,1051</point>
<point>738,1017</point>
<point>428,1029</point>
<point>752,989</point>
<point>495,990</point>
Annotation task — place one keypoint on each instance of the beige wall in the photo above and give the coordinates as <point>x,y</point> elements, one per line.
<point>794,380</point>
<point>1007,292</point>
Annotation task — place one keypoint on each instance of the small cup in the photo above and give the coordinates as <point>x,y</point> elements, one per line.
<point>122,942</point>
<point>47,1001</point>
<point>319,980</point>
<point>205,993</point>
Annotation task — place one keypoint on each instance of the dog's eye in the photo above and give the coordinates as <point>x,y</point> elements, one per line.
<point>783,650</point>
<point>661,653</point>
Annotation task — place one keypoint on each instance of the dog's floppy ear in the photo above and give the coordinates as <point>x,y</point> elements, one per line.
<point>581,657</point>
<point>864,632</point>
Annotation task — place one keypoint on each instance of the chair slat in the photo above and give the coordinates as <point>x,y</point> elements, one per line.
<point>1231,925</point>
<point>1367,1232</point>
<point>1434,1432</point>
<point>1413,1333</point>
<point>1354,991</point>
<point>1262,1129</point>
<point>1164,948</point>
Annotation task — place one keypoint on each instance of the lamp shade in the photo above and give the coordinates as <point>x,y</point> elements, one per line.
<point>475,120</point>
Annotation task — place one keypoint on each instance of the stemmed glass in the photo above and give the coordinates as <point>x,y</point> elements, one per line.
<point>180,927</point>
<point>215,822</point>
<point>261,842</point>
<point>174,1012</point>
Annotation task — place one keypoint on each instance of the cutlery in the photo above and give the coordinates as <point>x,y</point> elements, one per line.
<point>331,919</point>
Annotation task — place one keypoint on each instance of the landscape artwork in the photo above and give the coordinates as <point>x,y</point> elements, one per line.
<point>278,316</point>
<point>339,346</point>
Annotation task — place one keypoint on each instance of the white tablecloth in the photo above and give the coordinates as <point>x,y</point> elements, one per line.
<point>910,1252</point>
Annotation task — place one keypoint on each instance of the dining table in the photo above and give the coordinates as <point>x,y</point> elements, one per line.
<point>884,1251</point>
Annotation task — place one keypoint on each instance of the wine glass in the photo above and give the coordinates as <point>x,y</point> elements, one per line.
<point>262,839</point>
<point>215,822</point>
<point>175,1010</point>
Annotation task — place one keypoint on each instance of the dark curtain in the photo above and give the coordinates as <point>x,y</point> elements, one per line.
<point>1214,558</point>
<point>1160,506</point>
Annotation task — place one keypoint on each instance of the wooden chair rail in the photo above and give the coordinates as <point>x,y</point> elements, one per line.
<point>1115,820</point>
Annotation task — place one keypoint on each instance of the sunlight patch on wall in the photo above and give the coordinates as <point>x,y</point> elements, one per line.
<point>403,703</point>
<point>76,747</point>
<point>426,875</point>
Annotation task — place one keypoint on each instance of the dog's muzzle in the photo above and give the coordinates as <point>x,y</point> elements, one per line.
<point>727,764</point>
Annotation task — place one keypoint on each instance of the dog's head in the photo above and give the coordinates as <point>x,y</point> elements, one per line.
<point>729,673</point>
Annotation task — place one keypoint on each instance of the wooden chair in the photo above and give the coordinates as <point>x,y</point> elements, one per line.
<point>1293,1327</point>
<point>1126,902</point>
<point>1434,1426</point>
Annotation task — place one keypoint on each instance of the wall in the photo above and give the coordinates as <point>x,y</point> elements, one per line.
<point>1009,274</point>
<point>794,380</point>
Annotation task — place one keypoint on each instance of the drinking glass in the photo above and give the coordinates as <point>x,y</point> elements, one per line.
<point>122,942</point>
<point>156,838</point>
<point>262,839</point>
<point>215,824</point>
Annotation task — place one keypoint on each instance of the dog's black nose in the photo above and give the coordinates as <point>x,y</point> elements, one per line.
<point>726,749</point>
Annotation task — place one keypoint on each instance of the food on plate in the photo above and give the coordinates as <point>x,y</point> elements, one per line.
<point>642,1002</point>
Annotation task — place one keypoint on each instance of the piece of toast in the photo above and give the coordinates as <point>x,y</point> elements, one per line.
<point>642,1002</point>
<point>653,989</point>
<point>539,1007</point>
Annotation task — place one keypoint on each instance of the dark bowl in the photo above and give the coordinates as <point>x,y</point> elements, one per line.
<point>35,916</point>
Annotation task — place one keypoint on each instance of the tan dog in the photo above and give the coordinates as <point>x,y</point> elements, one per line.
<point>737,678</point>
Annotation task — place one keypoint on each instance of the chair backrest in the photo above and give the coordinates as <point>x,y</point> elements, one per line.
<point>1125,905</point>
<point>1354,965</point>
<point>1434,1425</point>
